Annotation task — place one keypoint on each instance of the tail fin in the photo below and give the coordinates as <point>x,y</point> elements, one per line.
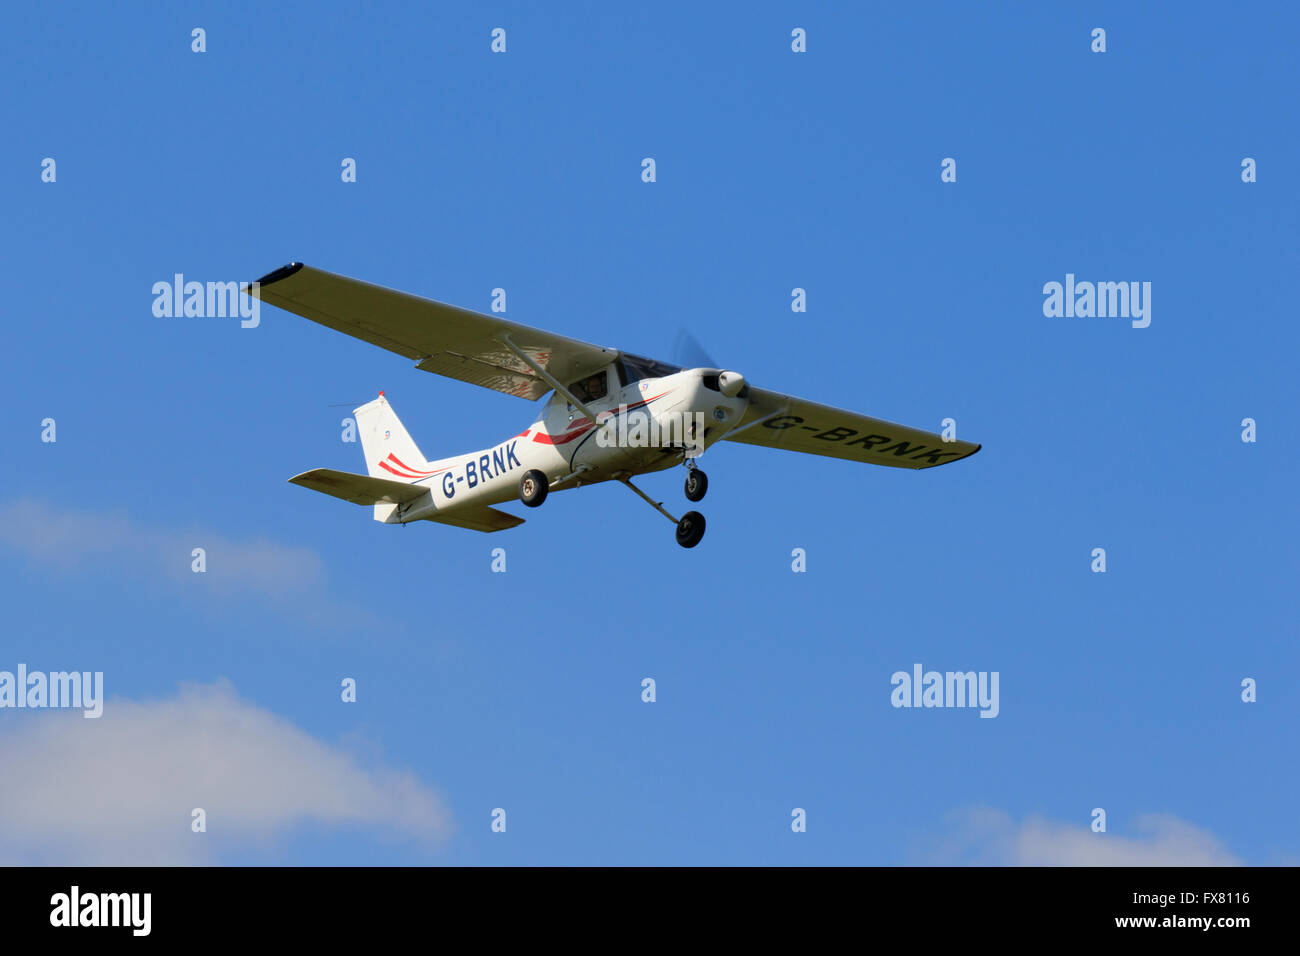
<point>390,452</point>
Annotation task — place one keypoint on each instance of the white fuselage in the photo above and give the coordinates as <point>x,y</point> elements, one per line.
<point>646,425</point>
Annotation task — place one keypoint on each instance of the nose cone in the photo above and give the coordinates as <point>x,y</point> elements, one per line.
<point>731,383</point>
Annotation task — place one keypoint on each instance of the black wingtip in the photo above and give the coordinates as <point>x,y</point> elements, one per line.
<point>281,273</point>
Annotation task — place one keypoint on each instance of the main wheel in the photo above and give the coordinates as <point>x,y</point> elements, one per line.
<point>690,529</point>
<point>697,483</point>
<point>533,487</point>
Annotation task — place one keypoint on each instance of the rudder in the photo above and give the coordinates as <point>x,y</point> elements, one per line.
<point>389,449</point>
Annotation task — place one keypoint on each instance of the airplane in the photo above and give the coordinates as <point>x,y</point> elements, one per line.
<point>611,415</point>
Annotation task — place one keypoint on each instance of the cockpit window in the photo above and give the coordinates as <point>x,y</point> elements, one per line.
<point>634,368</point>
<point>592,388</point>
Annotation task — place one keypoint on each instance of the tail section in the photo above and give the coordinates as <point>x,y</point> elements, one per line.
<point>396,486</point>
<point>390,451</point>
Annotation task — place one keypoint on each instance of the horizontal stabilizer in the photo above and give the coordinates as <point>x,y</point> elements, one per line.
<point>358,489</point>
<point>479,519</point>
<point>364,490</point>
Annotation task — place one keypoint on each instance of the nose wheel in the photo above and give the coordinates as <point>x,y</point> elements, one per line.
<point>690,529</point>
<point>697,484</point>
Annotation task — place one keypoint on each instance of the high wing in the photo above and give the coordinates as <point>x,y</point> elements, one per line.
<point>440,338</point>
<point>782,421</point>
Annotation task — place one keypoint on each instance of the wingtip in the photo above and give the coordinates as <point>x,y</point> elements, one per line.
<point>275,275</point>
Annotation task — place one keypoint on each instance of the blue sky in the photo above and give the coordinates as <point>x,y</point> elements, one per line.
<point>775,170</point>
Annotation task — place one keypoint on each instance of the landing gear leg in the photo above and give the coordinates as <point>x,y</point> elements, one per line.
<point>690,527</point>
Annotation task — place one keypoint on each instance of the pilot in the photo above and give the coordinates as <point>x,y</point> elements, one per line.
<point>595,388</point>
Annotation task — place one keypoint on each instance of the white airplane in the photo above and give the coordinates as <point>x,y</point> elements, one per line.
<point>611,415</point>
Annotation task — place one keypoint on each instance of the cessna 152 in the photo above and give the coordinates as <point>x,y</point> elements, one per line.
<point>612,415</point>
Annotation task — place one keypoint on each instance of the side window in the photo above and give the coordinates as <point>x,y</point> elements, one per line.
<point>592,388</point>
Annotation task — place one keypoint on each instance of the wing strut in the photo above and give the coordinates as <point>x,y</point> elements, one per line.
<point>549,379</point>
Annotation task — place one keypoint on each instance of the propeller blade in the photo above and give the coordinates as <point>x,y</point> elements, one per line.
<point>689,353</point>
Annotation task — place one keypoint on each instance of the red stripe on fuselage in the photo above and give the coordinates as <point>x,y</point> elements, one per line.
<point>544,439</point>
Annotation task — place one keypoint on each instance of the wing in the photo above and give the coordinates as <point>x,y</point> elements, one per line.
<point>781,421</point>
<point>440,338</point>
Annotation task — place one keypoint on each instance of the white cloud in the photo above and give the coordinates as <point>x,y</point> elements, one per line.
<point>119,790</point>
<point>990,837</point>
<point>69,539</point>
